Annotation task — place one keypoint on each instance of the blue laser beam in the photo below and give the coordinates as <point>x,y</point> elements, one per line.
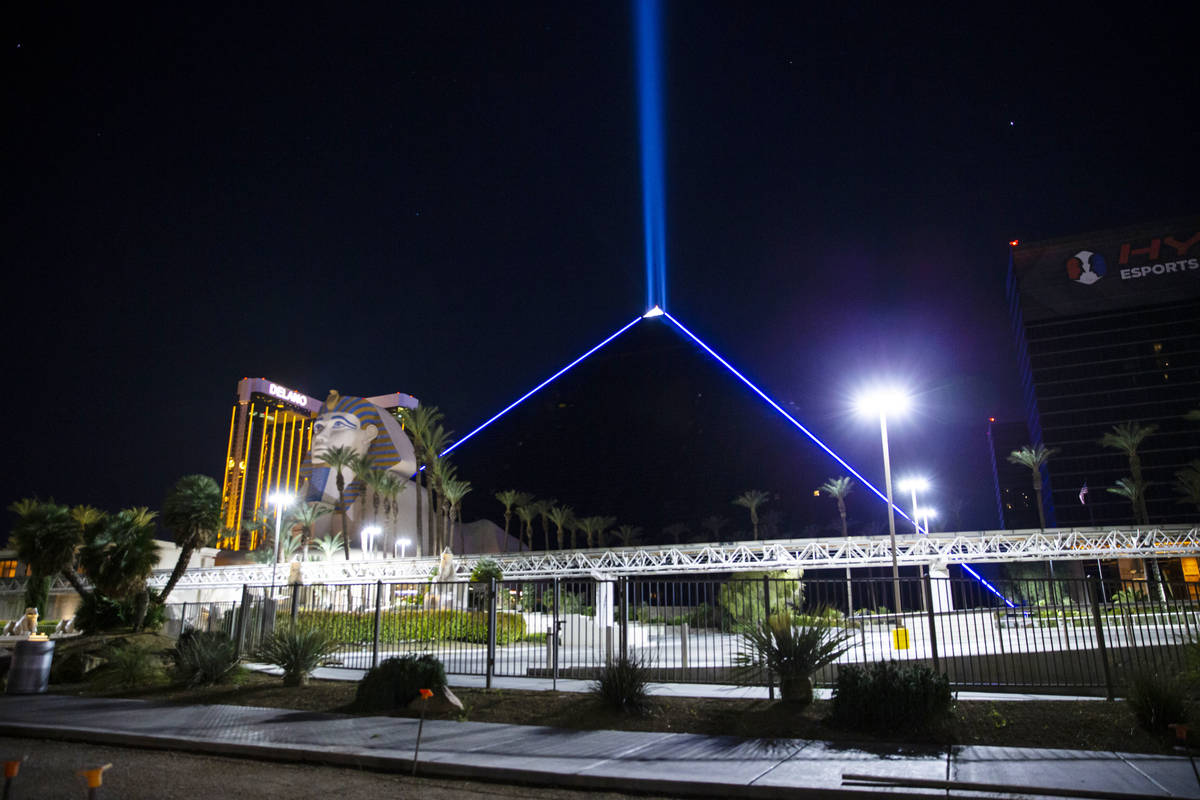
<point>817,441</point>
<point>785,414</point>
<point>649,71</point>
<point>540,386</point>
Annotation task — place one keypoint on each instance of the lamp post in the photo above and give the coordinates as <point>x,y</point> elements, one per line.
<point>926,515</point>
<point>915,485</point>
<point>280,500</point>
<point>402,543</point>
<point>368,538</point>
<point>882,402</point>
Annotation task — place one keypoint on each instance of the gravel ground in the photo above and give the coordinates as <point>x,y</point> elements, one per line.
<point>50,766</point>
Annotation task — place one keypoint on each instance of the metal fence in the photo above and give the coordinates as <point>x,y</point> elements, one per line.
<point>1061,635</point>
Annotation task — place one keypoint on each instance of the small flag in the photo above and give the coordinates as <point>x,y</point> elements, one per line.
<point>1083,494</point>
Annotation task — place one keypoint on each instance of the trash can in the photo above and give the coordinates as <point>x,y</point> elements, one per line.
<point>29,672</point>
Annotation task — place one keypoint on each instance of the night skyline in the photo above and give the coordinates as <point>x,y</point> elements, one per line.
<point>446,202</point>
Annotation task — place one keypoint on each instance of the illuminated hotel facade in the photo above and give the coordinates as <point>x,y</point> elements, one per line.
<point>270,432</point>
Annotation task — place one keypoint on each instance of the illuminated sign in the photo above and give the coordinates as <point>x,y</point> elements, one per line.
<point>287,395</point>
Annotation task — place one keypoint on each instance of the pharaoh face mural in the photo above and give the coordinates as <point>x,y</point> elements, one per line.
<point>366,429</point>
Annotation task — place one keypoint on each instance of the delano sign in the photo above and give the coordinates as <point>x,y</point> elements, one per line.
<point>288,395</point>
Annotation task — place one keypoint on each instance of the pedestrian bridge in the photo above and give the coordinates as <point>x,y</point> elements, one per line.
<point>972,547</point>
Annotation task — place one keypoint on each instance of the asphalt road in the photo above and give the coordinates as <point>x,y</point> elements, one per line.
<point>49,771</point>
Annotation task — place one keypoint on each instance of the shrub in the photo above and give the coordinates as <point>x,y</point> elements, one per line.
<point>297,651</point>
<point>414,625</point>
<point>397,681</point>
<point>623,686</point>
<point>485,570</point>
<point>742,598</point>
<point>203,658</point>
<point>793,651</point>
<point>890,696</point>
<point>1156,700</point>
<point>129,666</point>
<point>99,614</point>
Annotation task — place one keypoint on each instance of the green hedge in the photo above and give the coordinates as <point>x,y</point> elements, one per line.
<point>415,626</point>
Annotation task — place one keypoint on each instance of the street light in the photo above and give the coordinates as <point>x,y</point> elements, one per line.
<point>280,500</point>
<point>926,515</point>
<point>915,485</point>
<point>368,537</point>
<point>402,543</point>
<point>884,402</point>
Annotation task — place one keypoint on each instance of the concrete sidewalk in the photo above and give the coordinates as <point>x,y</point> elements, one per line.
<point>665,763</point>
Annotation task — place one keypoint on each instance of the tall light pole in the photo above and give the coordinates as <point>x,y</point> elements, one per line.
<point>280,500</point>
<point>915,485</point>
<point>368,538</point>
<point>883,402</point>
<point>402,543</point>
<point>926,515</point>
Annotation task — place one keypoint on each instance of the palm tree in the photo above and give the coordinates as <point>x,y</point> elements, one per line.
<point>543,510</point>
<point>603,524</point>
<point>629,534</point>
<point>509,498</point>
<point>443,473</point>
<point>713,525</point>
<point>305,516</point>
<point>329,545</point>
<point>46,539</point>
<point>120,556</point>
<point>192,512</point>
<point>1034,457</point>
<point>1134,491</point>
<point>455,490</point>
<point>338,459</point>
<point>838,488</point>
<point>752,500</point>
<point>391,486</point>
<point>526,513</point>
<point>364,470</point>
<point>589,526</point>
<point>1128,437</point>
<point>1187,484</point>
<point>676,530</point>
<point>561,516</point>
<point>437,439</point>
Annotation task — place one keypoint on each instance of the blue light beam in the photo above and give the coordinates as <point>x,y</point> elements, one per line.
<point>649,71</point>
<point>540,386</point>
<point>817,441</point>
<point>785,414</point>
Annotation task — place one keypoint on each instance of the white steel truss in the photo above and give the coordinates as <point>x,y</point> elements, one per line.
<point>977,547</point>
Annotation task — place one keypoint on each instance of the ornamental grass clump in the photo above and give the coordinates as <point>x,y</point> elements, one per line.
<point>203,658</point>
<point>890,697</point>
<point>396,682</point>
<point>623,685</point>
<point>297,650</point>
<point>129,666</point>
<point>1156,700</point>
<point>794,651</point>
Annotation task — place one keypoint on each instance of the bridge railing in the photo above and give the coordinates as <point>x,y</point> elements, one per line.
<point>1050,635</point>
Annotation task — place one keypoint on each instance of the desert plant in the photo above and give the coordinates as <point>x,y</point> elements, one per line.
<point>396,682</point>
<point>129,665</point>
<point>486,569</point>
<point>1156,700</point>
<point>623,685</point>
<point>743,598</point>
<point>203,658</point>
<point>793,651</point>
<point>98,614</point>
<point>297,650</point>
<point>890,696</point>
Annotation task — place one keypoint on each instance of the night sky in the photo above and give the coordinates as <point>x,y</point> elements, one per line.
<point>444,199</point>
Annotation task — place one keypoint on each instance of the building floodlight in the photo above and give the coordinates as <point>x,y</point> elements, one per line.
<point>890,400</point>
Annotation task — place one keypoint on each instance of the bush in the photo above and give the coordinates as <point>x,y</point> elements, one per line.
<point>888,696</point>
<point>203,658</point>
<point>396,682</point>
<point>297,651</point>
<point>485,570</point>
<point>413,625</point>
<point>623,686</point>
<point>130,666</point>
<point>742,598</point>
<point>1156,700</point>
<point>99,614</point>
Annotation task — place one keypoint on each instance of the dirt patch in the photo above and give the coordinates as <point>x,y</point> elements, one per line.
<point>1083,725</point>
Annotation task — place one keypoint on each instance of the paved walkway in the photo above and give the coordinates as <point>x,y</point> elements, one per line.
<point>665,763</point>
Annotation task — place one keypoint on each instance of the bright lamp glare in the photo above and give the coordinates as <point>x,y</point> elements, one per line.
<point>280,499</point>
<point>930,513</point>
<point>914,485</point>
<point>889,401</point>
<point>405,540</point>
<point>654,312</point>
<point>371,530</point>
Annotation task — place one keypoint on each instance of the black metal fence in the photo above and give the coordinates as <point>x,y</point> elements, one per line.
<point>1060,635</point>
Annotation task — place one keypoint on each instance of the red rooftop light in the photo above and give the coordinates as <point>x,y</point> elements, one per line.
<point>1014,243</point>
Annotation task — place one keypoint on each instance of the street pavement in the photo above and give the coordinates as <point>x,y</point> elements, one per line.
<point>663,763</point>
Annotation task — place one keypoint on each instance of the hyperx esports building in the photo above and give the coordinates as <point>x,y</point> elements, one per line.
<point>1108,332</point>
